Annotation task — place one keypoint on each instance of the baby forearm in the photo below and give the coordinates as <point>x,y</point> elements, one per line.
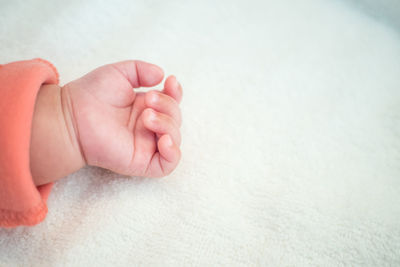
<point>54,150</point>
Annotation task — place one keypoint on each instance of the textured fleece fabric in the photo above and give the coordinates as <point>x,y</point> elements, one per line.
<point>21,202</point>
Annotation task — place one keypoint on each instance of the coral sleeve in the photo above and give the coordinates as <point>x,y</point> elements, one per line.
<point>21,202</point>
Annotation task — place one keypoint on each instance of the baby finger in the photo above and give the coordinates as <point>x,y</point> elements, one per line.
<point>161,124</point>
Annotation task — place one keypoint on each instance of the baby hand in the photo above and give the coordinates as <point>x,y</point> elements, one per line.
<point>131,133</point>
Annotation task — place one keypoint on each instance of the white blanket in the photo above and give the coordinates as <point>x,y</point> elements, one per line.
<point>291,135</point>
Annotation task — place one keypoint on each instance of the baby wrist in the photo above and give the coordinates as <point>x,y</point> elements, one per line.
<point>54,149</point>
<point>70,122</point>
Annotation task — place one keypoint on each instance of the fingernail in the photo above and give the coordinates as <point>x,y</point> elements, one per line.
<point>168,140</point>
<point>155,98</point>
<point>152,115</point>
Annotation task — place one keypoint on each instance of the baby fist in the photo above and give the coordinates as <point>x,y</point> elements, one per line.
<point>132,133</point>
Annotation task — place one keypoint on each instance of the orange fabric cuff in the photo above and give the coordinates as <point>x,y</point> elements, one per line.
<point>21,202</point>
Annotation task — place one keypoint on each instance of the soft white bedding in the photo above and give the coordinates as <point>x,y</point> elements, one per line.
<point>291,135</point>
